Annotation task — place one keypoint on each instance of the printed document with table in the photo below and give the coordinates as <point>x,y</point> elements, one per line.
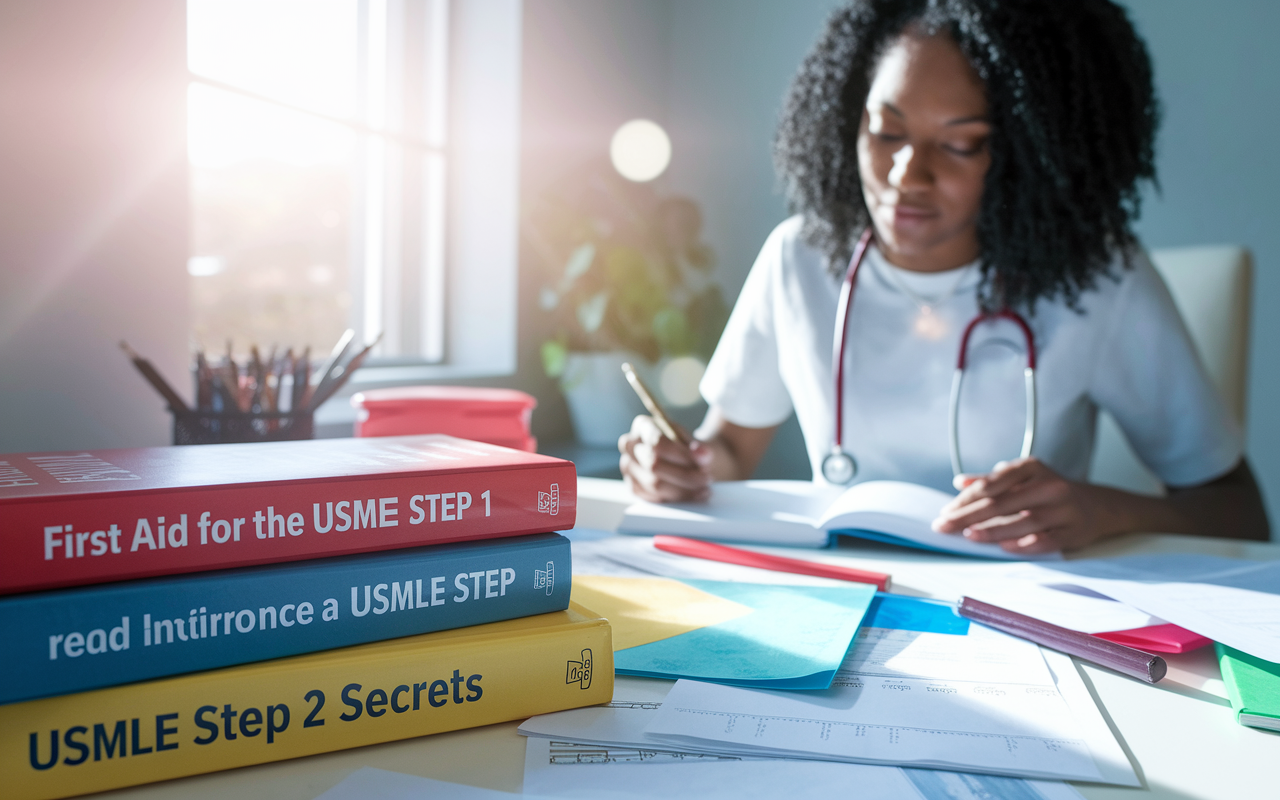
<point>920,688</point>
<point>602,751</point>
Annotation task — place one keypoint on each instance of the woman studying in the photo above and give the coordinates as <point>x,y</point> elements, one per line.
<point>965,176</point>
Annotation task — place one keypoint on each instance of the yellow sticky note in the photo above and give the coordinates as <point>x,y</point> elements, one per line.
<point>644,610</point>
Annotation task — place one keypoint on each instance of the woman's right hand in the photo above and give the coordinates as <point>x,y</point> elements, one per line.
<point>660,470</point>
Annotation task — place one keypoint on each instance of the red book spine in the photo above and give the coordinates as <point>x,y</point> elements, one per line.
<point>98,538</point>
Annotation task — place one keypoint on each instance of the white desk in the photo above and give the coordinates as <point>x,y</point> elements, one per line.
<point>1180,732</point>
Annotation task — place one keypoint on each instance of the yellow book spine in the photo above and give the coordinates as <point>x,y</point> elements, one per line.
<point>128,735</point>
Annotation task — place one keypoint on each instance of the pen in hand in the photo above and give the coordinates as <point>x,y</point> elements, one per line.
<point>666,463</point>
<point>656,411</point>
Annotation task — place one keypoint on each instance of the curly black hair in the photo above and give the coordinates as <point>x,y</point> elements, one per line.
<point>1074,116</point>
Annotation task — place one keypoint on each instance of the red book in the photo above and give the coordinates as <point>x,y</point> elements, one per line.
<point>485,414</point>
<point>69,519</point>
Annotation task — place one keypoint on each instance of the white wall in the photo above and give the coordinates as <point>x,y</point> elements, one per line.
<point>93,219</point>
<point>1216,68</point>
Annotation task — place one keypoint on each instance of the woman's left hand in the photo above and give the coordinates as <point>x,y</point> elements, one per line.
<point>1027,508</point>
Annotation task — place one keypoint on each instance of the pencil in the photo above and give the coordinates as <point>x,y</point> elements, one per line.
<point>1140,665</point>
<point>231,381</point>
<point>155,379</point>
<point>326,372</point>
<point>338,378</point>
<point>659,415</point>
<point>301,379</point>
<point>204,383</point>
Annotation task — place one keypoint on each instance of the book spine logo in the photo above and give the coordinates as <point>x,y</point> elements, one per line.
<point>549,502</point>
<point>579,672</point>
<point>545,578</point>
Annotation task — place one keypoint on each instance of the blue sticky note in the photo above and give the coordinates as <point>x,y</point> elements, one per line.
<point>903,613</point>
<point>796,638</point>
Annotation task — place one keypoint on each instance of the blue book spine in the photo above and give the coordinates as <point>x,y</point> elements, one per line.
<point>72,640</point>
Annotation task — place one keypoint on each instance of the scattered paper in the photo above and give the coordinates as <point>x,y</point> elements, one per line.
<point>982,702</point>
<point>596,752</point>
<point>565,769</point>
<point>621,722</point>
<point>1228,600</point>
<point>1017,588</point>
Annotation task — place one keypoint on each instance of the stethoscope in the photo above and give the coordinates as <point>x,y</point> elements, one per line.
<point>838,467</point>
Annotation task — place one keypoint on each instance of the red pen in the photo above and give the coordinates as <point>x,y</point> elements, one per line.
<point>748,558</point>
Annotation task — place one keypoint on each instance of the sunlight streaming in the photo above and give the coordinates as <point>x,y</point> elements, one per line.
<point>301,52</point>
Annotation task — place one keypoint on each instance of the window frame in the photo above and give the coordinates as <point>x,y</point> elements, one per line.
<point>470,285</point>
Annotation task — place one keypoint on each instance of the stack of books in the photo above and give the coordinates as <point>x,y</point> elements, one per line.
<point>173,611</point>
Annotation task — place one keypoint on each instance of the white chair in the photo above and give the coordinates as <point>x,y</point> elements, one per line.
<point>1212,287</point>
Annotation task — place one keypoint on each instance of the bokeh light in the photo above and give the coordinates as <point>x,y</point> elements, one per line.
<point>679,380</point>
<point>640,150</point>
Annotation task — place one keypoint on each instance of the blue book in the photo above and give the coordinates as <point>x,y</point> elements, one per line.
<point>71,640</point>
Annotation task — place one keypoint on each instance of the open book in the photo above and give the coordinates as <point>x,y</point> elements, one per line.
<point>806,514</point>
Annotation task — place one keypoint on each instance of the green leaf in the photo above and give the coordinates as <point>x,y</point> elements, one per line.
<point>671,329</point>
<point>591,312</point>
<point>626,266</point>
<point>554,358</point>
<point>579,262</point>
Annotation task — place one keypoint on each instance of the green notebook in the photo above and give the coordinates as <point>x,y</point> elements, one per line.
<point>1253,685</point>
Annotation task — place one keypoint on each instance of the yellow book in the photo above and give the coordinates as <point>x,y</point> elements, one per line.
<point>273,710</point>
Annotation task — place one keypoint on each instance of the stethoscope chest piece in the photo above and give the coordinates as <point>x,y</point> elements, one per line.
<point>838,467</point>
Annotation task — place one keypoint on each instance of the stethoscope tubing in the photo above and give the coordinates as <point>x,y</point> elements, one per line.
<point>842,327</point>
<point>957,382</point>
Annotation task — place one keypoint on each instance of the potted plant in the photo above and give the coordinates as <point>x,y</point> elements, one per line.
<point>628,277</point>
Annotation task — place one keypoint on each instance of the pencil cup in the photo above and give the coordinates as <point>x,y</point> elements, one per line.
<point>208,427</point>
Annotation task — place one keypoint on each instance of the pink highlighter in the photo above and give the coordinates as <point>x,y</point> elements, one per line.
<point>1167,638</point>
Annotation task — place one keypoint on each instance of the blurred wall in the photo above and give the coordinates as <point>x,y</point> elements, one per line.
<point>1216,71</point>
<point>93,219</point>
<point>589,66</point>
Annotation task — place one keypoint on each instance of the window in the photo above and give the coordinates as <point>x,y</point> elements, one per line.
<point>326,193</point>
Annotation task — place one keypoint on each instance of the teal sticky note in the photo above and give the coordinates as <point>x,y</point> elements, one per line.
<point>795,638</point>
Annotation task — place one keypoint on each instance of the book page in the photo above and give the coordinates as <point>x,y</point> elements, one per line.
<point>766,512</point>
<point>904,511</point>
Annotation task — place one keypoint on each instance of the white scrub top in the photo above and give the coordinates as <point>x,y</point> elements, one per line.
<point>1126,350</point>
